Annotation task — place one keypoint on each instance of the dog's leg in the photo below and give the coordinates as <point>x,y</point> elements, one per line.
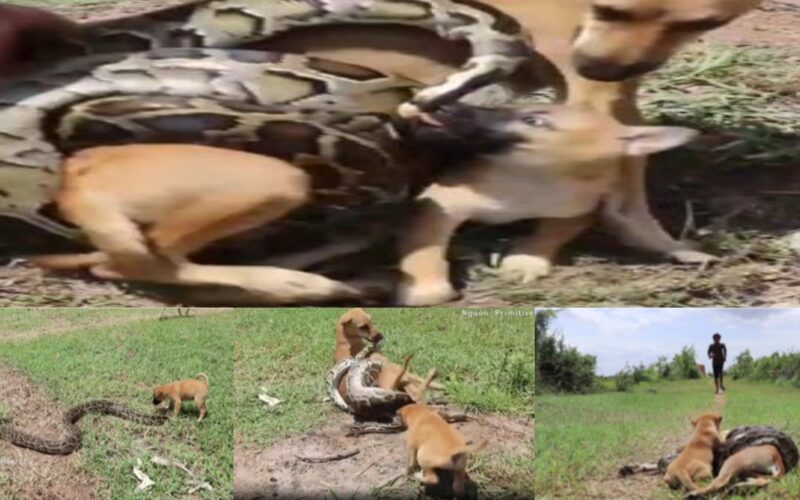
<point>200,402</point>
<point>628,214</point>
<point>176,406</point>
<point>426,271</point>
<point>531,258</point>
<point>411,459</point>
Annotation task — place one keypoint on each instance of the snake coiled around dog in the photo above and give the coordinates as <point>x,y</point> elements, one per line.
<point>499,44</point>
<point>71,440</point>
<point>374,408</point>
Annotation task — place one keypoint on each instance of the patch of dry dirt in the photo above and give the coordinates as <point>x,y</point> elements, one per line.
<point>774,24</point>
<point>275,472</point>
<point>28,474</point>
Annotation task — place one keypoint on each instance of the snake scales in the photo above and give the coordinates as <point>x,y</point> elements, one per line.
<point>72,436</point>
<point>374,408</point>
<point>277,104</point>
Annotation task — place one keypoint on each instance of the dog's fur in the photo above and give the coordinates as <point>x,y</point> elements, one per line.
<point>581,40</point>
<point>555,163</point>
<point>147,207</point>
<point>433,444</point>
<point>195,389</point>
<point>695,461</point>
<point>760,464</point>
<point>353,330</point>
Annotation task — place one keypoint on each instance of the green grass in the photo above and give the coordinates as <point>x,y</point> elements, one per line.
<point>485,363</point>
<point>123,363</point>
<point>585,438</point>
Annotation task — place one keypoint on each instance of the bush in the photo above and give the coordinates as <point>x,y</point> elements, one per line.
<point>743,367</point>
<point>684,365</point>
<point>625,380</point>
<point>560,368</point>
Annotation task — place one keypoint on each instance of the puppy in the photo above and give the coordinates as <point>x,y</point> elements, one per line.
<point>762,464</point>
<point>184,390</point>
<point>696,458</point>
<point>433,444</point>
<point>353,329</point>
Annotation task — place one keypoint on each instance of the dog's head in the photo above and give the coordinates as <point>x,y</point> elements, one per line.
<point>621,39</point>
<point>158,396</point>
<point>575,140</point>
<point>707,420</point>
<point>356,327</point>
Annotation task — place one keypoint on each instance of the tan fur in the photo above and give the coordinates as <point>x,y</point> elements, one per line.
<point>696,459</point>
<point>433,444</point>
<point>195,389</point>
<point>560,174</point>
<point>147,207</point>
<point>353,330</point>
<point>761,464</point>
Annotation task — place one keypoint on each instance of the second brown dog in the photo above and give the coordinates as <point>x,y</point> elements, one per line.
<point>195,389</point>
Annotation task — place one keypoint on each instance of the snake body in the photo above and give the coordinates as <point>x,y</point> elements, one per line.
<point>277,104</point>
<point>284,105</point>
<point>499,45</point>
<point>374,408</point>
<point>71,440</point>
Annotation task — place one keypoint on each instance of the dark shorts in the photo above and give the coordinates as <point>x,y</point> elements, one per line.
<point>718,368</point>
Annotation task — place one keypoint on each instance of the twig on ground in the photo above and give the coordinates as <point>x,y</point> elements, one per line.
<point>332,458</point>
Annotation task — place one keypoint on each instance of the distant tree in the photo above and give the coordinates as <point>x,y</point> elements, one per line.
<point>743,367</point>
<point>559,367</point>
<point>684,364</point>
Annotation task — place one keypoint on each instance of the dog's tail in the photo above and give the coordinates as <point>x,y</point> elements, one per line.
<point>422,397</point>
<point>203,377</point>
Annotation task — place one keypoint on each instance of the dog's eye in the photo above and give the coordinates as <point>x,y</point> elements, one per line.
<point>612,14</point>
<point>535,121</point>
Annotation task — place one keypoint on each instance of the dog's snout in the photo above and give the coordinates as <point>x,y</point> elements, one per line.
<point>376,337</point>
<point>156,401</point>
<point>606,70</point>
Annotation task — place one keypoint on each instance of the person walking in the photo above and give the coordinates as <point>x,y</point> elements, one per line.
<point>717,352</point>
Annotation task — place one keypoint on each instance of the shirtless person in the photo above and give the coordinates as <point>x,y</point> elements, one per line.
<point>717,352</point>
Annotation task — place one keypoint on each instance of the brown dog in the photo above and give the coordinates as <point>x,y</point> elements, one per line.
<point>195,389</point>
<point>696,459</point>
<point>147,207</point>
<point>433,444</point>
<point>761,464</point>
<point>599,48</point>
<point>353,330</point>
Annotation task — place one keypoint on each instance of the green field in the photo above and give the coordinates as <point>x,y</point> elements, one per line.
<point>123,362</point>
<point>485,363</point>
<point>583,439</point>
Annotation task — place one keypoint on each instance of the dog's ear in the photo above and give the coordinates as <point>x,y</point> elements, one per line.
<point>718,420</point>
<point>644,141</point>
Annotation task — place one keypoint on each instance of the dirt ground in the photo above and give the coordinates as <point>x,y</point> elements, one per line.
<point>276,472</point>
<point>26,473</point>
<point>762,203</point>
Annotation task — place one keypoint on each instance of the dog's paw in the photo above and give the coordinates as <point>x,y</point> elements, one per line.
<point>426,294</point>
<point>690,256</point>
<point>106,272</point>
<point>524,268</point>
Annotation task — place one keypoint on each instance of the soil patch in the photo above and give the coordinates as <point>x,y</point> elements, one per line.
<point>276,472</point>
<point>28,474</point>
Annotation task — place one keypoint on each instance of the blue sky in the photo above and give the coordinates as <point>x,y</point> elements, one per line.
<point>632,336</point>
